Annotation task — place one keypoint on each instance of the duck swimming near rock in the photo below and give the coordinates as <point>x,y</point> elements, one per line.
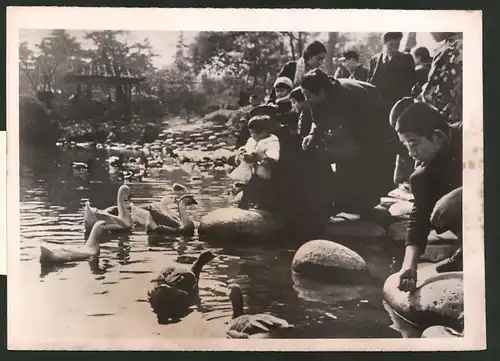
<point>246,325</point>
<point>176,289</point>
<point>57,254</point>
<point>162,220</point>
<point>140,215</point>
<point>121,222</point>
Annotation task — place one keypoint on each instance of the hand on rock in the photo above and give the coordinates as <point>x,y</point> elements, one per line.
<point>407,280</point>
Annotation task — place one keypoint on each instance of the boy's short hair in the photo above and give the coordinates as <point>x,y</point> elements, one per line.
<point>297,95</point>
<point>315,81</point>
<point>392,36</point>
<point>398,109</point>
<point>313,49</point>
<point>422,52</point>
<point>259,123</point>
<point>421,119</point>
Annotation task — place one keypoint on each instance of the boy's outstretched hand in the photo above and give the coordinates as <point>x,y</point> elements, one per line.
<point>407,280</point>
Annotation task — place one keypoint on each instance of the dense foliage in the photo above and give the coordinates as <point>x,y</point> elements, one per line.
<point>206,75</point>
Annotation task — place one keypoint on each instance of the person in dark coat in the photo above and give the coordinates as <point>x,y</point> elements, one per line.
<point>422,60</point>
<point>352,132</point>
<point>351,68</point>
<point>392,72</point>
<point>313,57</point>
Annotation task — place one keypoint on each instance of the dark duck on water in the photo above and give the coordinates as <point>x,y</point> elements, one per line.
<point>176,289</point>
<point>257,325</point>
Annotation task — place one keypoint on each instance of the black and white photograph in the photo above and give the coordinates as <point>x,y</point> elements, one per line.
<point>188,177</point>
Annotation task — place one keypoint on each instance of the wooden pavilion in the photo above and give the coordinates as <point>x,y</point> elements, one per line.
<point>106,71</point>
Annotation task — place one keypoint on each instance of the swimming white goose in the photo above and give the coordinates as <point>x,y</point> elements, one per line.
<point>58,254</point>
<point>161,220</point>
<point>121,222</point>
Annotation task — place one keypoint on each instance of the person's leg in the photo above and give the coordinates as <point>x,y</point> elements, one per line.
<point>248,195</point>
<point>447,216</point>
<point>447,213</point>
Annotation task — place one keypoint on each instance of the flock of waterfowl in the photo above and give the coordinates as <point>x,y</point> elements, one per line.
<point>208,148</point>
<point>175,289</point>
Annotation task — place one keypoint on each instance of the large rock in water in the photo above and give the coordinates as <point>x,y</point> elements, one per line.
<point>401,209</point>
<point>234,221</point>
<point>349,225</point>
<point>439,332</point>
<point>438,299</point>
<point>327,261</point>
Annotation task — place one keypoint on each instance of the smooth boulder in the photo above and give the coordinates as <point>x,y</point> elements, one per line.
<point>438,299</point>
<point>439,332</point>
<point>327,261</point>
<point>351,226</point>
<point>234,221</point>
<point>401,209</point>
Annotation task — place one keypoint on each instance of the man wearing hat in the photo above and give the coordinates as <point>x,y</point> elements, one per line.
<point>350,67</point>
<point>392,72</point>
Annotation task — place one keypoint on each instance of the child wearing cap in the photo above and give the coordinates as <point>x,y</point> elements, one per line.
<point>282,86</point>
<point>257,156</point>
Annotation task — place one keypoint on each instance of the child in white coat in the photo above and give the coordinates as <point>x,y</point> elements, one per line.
<point>257,157</point>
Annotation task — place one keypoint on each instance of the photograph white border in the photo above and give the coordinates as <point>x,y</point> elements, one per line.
<point>160,19</point>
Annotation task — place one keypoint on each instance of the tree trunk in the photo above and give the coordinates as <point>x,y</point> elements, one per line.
<point>330,51</point>
<point>300,45</point>
<point>292,47</point>
<point>408,42</point>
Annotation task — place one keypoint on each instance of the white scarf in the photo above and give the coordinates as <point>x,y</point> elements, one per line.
<point>300,71</point>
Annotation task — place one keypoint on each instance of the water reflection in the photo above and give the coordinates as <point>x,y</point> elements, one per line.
<point>104,296</point>
<point>325,293</point>
<point>46,269</point>
<point>403,326</point>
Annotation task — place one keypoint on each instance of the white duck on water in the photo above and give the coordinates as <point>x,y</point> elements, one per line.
<point>58,254</point>
<point>141,215</point>
<point>121,222</point>
<point>161,220</point>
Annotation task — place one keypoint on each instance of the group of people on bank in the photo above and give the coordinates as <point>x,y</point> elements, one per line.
<point>324,144</point>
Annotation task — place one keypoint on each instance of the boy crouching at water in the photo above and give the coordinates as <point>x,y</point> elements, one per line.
<point>257,157</point>
<point>436,183</point>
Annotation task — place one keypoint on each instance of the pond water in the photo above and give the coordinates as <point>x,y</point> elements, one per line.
<point>107,297</point>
